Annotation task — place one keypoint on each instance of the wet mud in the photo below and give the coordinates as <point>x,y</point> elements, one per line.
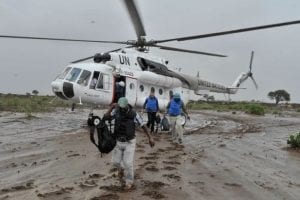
<point>223,156</point>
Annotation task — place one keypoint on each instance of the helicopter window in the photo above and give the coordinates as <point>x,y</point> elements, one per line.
<point>103,82</point>
<point>160,91</point>
<point>84,78</point>
<point>131,86</point>
<point>152,89</point>
<point>142,88</point>
<point>72,76</point>
<point>64,73</point>
<point>100,82</point>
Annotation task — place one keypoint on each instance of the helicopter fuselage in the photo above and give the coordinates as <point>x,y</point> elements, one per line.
<point>96,83</point>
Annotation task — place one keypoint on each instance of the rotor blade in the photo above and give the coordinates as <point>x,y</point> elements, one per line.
<point>135,18</point>
<point>255,84</point>
<point>61,39</point>
<point>238,88</point>
<point>228,32</point>
<point>251,59</point>
<point>188,51</point>
<point>82,59</point>
<point>90,57</point>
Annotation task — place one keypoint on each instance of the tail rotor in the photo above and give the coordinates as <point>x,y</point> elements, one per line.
<point>250,74</point>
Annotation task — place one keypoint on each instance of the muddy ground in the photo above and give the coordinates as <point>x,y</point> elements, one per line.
<point>224,156</point>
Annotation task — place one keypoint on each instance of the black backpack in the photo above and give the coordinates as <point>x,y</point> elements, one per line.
<point>106,140</point>
<point>165,125</point>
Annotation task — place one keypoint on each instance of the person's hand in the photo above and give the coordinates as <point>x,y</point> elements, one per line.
<point>151,142</point>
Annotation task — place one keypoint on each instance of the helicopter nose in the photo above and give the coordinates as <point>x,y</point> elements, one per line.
<point>63,90</point>
<point>68,89</point>
<point>57,89</point>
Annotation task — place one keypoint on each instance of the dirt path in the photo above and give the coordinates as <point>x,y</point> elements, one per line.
<point>224,156</point>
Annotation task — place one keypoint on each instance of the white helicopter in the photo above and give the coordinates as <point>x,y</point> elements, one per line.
<point>95,82</point>
<point>140,72</point>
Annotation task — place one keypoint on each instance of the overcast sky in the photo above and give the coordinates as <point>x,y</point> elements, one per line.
<point>29,64</point>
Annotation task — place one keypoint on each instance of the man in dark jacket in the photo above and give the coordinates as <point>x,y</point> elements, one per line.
<point>123,154</point>
<point>152,107</point>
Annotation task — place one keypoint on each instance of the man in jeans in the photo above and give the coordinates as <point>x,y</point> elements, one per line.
<point>174,108</point>
<point>124,131</point>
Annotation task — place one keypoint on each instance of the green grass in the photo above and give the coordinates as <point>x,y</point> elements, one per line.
<point>248,107</point>
<point>255,109</point>
<point>29,104</point>
<point>294,140</point>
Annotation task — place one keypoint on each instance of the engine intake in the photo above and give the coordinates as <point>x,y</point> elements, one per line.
<point>102,57</point>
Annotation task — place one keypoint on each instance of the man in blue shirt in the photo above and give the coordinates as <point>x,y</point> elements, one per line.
<point>174,108</point>
<point>152,107</point>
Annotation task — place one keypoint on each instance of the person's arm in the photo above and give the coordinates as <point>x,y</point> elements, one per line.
<point>107,115</point>
<point>168,106</point>
<point>145,103</point>
<point>184,110</point>
<point>157,104</point>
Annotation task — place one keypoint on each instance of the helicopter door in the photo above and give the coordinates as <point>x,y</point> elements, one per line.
<point>131,90</point>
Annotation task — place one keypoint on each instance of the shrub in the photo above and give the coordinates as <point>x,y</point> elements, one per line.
<point>294,140</point>
<point>255,109</point>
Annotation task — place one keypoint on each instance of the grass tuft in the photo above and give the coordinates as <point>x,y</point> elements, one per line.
<point>255,109</point>
<point>294,140</point>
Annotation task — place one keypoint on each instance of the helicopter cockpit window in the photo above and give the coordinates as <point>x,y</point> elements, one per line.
<point>65,72</point>
<point>84,78</point>
<point>100,82</point>
<point>72,76</point>
<point>103,82</point>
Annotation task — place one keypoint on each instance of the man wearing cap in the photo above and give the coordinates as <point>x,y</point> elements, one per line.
<point>174,108</point>
<point>123,154</point>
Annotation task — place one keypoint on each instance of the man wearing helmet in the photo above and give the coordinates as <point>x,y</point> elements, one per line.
<point>174,108</point>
